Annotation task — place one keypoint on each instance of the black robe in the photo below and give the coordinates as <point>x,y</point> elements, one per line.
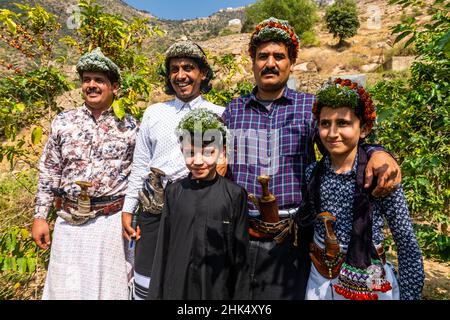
<point>203,241</point>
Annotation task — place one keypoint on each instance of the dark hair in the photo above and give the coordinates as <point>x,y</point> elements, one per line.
<point>205,86</point>
<point>292,51</point>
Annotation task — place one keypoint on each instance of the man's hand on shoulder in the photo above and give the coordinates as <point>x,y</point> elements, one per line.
<point>41,233</point>
<point>385,168</point>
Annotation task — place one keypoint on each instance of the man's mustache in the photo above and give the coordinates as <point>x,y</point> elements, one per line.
<point>267,70</point>
<point>93,90</point>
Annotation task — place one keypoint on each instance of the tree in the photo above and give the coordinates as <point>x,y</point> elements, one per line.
<point>342,20</point>
<point>301,14</point>
<point>414,123</point>
<point>32,80</point>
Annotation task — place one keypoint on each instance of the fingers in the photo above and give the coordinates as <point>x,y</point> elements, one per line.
<point>41,234</point>
<point>127,230</point>
<point>387,183</point>
<point>138,233</point>
<point>369,177</point>
<point>42,240</point>
<point>47,239</point>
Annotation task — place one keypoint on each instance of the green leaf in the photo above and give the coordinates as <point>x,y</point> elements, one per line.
<point>7,264</point>
<point>31,263</point>
<point>444,42</point>
<point>24,233</point>
<point>36,135</point>
<point>22,265</point>
<point>118,108</point>
<point>11,25</point>
<point>20,107</point>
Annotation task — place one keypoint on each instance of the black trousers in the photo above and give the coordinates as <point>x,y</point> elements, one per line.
<point>145,249</point>
<point>277,272</point>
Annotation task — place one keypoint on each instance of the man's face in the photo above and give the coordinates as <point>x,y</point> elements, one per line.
<point>271,66</point>
<point>185,78</point>
<point>98,91</point>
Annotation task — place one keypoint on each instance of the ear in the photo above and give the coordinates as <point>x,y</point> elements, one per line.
<point>365,130</point>
<point>115,88</point>
<point>291,68</point>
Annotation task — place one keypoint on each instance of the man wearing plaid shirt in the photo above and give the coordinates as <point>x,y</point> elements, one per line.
<point>274,132</point>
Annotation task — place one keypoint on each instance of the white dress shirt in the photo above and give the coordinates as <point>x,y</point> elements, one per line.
<point>157,144</point>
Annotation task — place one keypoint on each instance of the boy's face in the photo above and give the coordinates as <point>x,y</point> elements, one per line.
<point>340,130</point>
<point>201,162</point>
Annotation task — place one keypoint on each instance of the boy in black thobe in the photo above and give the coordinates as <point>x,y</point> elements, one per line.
<point>202,244</point>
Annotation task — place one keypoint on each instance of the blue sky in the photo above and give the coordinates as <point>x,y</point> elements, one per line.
<point>185,9</point>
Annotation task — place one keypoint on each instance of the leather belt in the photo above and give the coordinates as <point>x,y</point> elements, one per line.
<point>330,268</point>
<point>282,213</point>
<point>260,230</point>
<point>100,208</point>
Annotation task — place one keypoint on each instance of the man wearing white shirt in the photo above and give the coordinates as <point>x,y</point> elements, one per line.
<point>188,75</point>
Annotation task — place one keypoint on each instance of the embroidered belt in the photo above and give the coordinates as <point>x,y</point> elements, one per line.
<point>329,268</point>
<point>100,207</point>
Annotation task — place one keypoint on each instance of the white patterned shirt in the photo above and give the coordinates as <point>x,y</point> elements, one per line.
<point>81,148</point>
<point>157,144</point>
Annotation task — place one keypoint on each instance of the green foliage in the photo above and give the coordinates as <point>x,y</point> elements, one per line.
<point>434,243</point>
<point>30,86</point>
<point>224,90</point>
<point>301,14</point>
<point>309,39</point>
<point>342,19</point>
<point>122,42</point>
<point>28,90</point>
<point>17,251</point>
<point>414,123</point>
<point>19,259</point>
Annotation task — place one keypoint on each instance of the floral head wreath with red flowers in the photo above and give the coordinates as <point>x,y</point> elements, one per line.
<point>345,93</point>
<point>274,29</point>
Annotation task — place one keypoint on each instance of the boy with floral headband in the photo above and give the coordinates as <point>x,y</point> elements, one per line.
<point>344,221</point>
<point>275,135</point>
<point>202,245</point>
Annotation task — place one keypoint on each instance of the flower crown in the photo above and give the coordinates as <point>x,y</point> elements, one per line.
<point>97,61</point>
<point>275,30</point>
<point>345,93</point>
<point>201,120</point>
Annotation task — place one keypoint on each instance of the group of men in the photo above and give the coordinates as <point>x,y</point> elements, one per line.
<point>93,167</point>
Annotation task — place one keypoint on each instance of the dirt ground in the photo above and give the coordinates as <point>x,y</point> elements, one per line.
<point>437,283</point>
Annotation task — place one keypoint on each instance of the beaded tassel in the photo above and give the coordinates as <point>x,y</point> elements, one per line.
<point>360,284</point>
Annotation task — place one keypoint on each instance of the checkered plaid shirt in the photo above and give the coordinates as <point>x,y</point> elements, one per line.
<point>278,142</point>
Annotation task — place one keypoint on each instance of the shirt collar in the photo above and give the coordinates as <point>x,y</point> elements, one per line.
<point>88,112</point>
<point>199,184</point>
<point>286,96</point>
<point>191,105</point>
<point>346,173</point>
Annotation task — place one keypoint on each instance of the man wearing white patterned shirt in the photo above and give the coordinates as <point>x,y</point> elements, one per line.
<point>187,76</point>
<point>89,147</point>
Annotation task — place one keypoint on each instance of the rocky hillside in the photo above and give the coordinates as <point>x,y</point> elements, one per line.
<point>197,29</point>
<point>366,52</point>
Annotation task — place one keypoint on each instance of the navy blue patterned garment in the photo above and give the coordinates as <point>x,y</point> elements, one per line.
<point>336,197</point>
